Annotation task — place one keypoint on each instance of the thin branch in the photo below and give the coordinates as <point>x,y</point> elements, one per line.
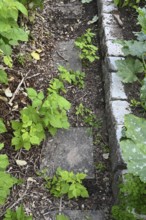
<point>60,206</point>
<point>18,88</point>
<point>37,74</point>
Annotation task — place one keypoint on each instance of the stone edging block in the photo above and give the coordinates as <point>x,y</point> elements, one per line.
<point>117,105</point>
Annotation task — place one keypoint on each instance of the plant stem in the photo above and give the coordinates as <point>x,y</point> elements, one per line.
<point>60,206</point>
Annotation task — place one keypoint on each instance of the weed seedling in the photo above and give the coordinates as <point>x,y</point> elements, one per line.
<point>88,50</point>
<point>100,166</point>
<point>65,183</point>
<point>88,116</point>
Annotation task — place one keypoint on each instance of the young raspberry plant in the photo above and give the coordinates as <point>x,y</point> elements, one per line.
<point>67,183</point>
<point>88,50</point>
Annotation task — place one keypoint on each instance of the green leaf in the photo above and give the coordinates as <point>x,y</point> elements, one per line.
<point>134,147</point>
<point>19,214</point>
<point>3,161</point>
<point>61,217</point>
<point>142,18</point>
<point>2,127</point>
<point>14,35</point>
<point>8,61</point>
<point>3,77</point>
<point>84,193</point>
<point>31,93</point>
<point>1,146</point>
<point>128,69</point>
<point>133,48</point>
<point>143,92</point>
<point>7,50</point>
<point>80,176</point>
<point>65,182</point>
<point>21,8</point>
<point>41,95</point>
<point>6,180</point>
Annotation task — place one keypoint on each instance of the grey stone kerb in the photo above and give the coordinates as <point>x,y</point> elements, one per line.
<point>116,100</point>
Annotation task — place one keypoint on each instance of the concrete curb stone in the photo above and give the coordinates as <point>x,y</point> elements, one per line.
<point>117,105</point>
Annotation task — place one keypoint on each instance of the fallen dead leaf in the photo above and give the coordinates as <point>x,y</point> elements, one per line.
<point>8,92</point>
<point>21,162</point>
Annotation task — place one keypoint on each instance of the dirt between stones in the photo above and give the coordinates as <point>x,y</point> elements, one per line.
<point>59,21</point>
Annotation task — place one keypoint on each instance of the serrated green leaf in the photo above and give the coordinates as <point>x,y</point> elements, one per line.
<point>84,193</point>
<point>8,61</point>
<point>21,8</point>
<point>6,180</point>
<point>133,48</point>
<point>143,92</point>
<point>16,125</point>
<point>7,50</point>
<point>128,69</point>
<point>3,77</point>
<point>134,147</point>
<point>19,214</point>
<point>14,35</point>
<point>142,18</point>
<point>3,161</point>
<point>41,95</point>
<point>80,176</point>
<point>1,146</point>
<point>31,93</point>
<point>62,217</point>
<point>2,127</point>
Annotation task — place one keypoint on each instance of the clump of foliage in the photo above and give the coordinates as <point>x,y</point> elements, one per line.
<point>10,32</point>
<point>2,130</point>
<point>132,68</point>
<point>48,112</point>
<point>100,166</point>
<point>73,77</point>
<point>131,3</point>
<point>6,180</point>
<point>67,183</point>
<point>133,144</point>
<point>133,190</point>
<point>19,214</point>
<point>88,50</point>
<point>132,199</point>
<point>87,116</point>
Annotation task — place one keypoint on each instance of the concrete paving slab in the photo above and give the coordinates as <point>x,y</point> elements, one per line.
<point>78,215</point>
<point>70,11</point>
<point>71,150</point>
<point>66,54</point>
